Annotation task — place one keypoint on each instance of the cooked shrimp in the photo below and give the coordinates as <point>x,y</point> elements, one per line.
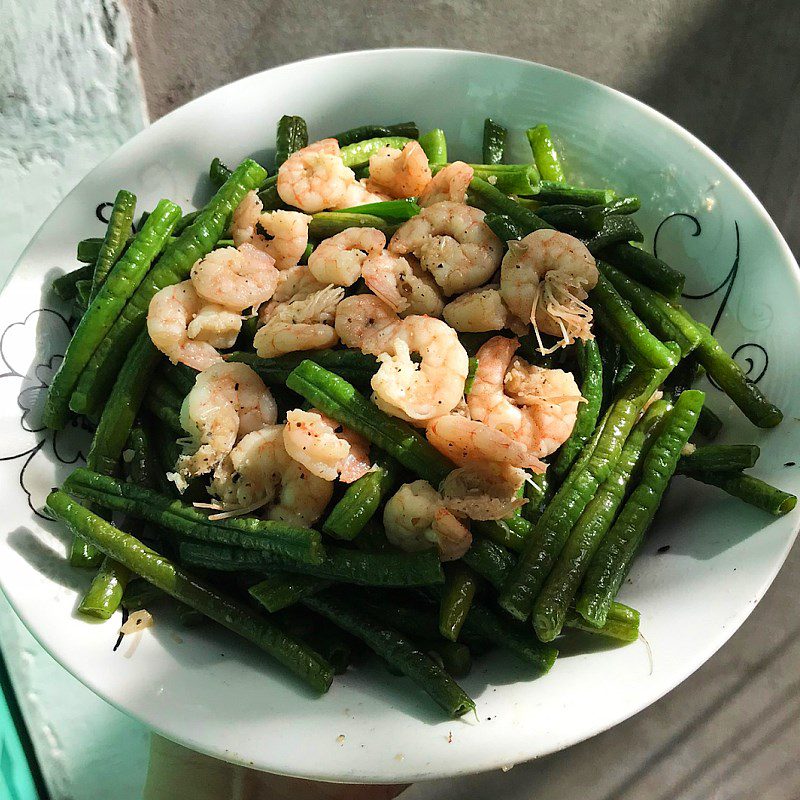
<point>245,219</point>
<point>415,519</point>
<point>467,441</point>
<point>300,324</point>
<point>296,283</point>
<point>289,232</point>
<point>227,401</point>
<point>402,284</point>
<point>357,194</point>
<point>237,278</point>
<point>366,323</point>
<point>171,311</point>
<point>449,183</point>
<point>399,173</point>
<point>217,325</point>
<point>339,259</point>
<point>483,491</point>
<point>545,278</point>
<point>315,177</point>
<point>258,471</point>
<point>325,447</point>
<point>481,310</point>
<point>435,385</point>
<point>453,243</point>
<point>536,407</point>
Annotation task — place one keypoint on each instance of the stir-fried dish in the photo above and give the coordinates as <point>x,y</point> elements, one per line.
<point>381,400</point>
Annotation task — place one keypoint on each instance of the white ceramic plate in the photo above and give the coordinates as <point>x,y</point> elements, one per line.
<point>214,693</point>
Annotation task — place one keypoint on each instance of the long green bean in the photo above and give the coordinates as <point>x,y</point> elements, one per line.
<point>406,129</point>
<point>119,228</point>
<point>104,311</point>
<point>613,558</point>
<point>752,490</point>
<point>645,268</point>
<point>553,192</point>
<point>154,568</point>
<point>719,458</point>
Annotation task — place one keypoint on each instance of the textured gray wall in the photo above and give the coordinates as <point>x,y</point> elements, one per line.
<point>727,70</point>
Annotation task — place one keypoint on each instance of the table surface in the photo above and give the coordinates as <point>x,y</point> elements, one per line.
<point>729,72</point>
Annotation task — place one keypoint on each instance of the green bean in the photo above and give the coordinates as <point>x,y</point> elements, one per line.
<point>485,196</point>
<point>117,232</point>
<point>170,415</point>
<point>183,586</point>
<point>358,153</point>
<point>472,369</point>
<point>180,376</point>
<point>615,229</point>
<point>184,222</point>
<point>218,173</point>
<point>454,657</point>
<point>292,136</point>
<point>104,595</point>
<point>83,554</point>
<point>623,205</point>
<point>552,192</point>
<point>398,651</point>
<point>329,223</point>
<point>360,501</point>
<point>390,210</point>
<point>353,135</point>
<point>494,141</point>
<point>587,474</point>
<point>621,630</point>
<point>435,146</point>
<point>460,586</point>
<point>122,407</point>
<point>545,153</point>
<point>511,532</point>
<point>552,604</point>
<point>387,569</point>
<point>709,424</point>
<point>506,178</point>
<point>490,560</point>
<point>619,321</point>
<point>268,194</point>
<point>88,250</point>
<point>613,558</point>
<point>591,367</point>
<point>337,398</point>
<point>752,490</point>
<point>173,266</point>
<point>578,220</point>
<point>143,467</point>
<point>106,308</point>
<point>510,635</point>
<point>352,365</point>
<point>645,268</point>
<point>64,286</point>
<point>720,458</point>
<point>729,376</point>
<point>538,490</point>
<point>662,318</point>
<point>277,538</point>
<point>503,228</point>
<point>282,589</point>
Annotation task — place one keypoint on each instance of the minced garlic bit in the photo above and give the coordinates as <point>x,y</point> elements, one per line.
<point>137,621</point>
<point>688,449</point>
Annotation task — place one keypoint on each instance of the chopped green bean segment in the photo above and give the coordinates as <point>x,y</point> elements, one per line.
<point>329,223</point>
<point>359,153</point>
<point>459,590</point>
<point>752,490</point>
<point>616,229</point>
<point>553,192</point>
<point>283,589</point>
<point>88,250</point>
<point>115,240</point>
<point>487,197</point>
<point>218,173</point>
<point>494,142</point>
<point>545,153</point>
<point>583,221</point>
<point>352,365</point>
<point>720,458</point>
<point>360,502</point>
<point>434,144</point>
<point>645,268</point>
<point>709,424</point>
<point>390,210</point>
<point>506,178</point>
<point>362,132</point>
<point>64,286</point>
<point>105,594</point>
<point>292,136</point>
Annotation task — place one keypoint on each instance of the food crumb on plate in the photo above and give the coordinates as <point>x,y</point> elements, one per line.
<point>340,739</point>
